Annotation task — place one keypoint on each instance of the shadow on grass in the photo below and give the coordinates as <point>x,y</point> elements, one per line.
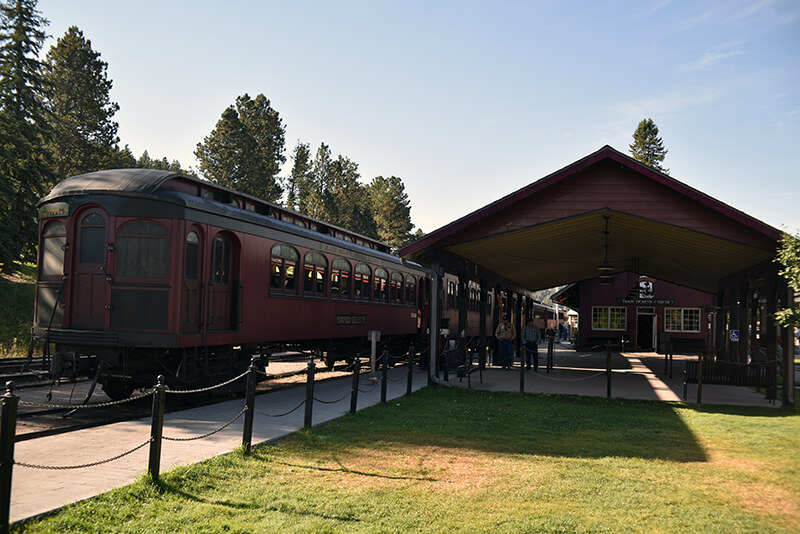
<point>168,488</point>
<point>513,423</point>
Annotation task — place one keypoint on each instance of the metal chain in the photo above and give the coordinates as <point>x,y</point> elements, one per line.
<point>401,379</point>
<point>368,390</point>
<point>283,414</point>
<point>333,402</point>
<point>572,379</point>
<point>210,388</point>
<point>93,464</point>
<point>226,425</point>
<point>98,405</point>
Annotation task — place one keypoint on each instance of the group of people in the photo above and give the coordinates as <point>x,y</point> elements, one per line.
<point>506,334</point>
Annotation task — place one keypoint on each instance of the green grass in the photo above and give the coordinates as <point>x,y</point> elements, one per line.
<point>450,460</point>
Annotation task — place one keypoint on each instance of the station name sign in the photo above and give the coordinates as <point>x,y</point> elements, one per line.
<point>350,319</point>
<point>59,209</point>
<point>646,302</point>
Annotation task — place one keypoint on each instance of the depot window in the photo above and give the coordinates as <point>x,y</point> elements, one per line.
<point>142,250</point>
<point>283,270</point>
<point>361,282</point>
<point>609,318</point>
<point>340,278</point>
<point>315,268</point>
<point>682,319</point>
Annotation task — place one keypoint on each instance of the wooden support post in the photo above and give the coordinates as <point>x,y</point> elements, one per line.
<point>700,378</point>
<point>410,378</point>
<point>157,428</point>
<point>608,369</point>
<point>250,403</point>
<point>309,394</point>
<point>8,429</point>
<point>354,390</point>
<point>384,374</point>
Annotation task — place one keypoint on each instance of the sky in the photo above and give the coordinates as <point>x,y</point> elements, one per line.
<point>468,101</point>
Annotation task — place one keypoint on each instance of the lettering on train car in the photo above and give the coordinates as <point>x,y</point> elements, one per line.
<point>349,319</point>
<point>54,210</point>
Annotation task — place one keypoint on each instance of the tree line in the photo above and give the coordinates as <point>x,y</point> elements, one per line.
<point>57,121</point>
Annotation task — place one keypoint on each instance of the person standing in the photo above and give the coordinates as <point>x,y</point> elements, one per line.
<point>505,334</point>
<point>530,339</point>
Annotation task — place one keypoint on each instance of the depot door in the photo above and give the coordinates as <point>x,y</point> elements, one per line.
<point>89,286</point>
<point>221,294</point>
<point>645,332</point>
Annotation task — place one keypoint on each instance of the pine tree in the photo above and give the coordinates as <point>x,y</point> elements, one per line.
<point>85,136</point>
<point>245,149</point>
<point>789,258</point>
<point>392,210</point>
<point>299,184</point>
<point>647,146</point>
<point>25,172</point>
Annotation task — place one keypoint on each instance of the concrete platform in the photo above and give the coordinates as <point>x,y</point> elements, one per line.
<point>635,376</point>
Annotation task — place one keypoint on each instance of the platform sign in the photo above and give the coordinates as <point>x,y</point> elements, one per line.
<point>734,336</point>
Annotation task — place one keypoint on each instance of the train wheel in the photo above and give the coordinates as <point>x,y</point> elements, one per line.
<point>117,389</point>
<point>330,360</point>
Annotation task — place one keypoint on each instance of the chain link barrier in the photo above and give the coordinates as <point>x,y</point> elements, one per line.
<point>282,414</point>
<point>543,377</point>
<point>93,464</point>
<point>223,427</point>
<point>282,375</point>
<point>98,405</point>
<point>335,401</point>
<point>209,388</point>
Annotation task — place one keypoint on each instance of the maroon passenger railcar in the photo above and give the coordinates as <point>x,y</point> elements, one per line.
<point>144,272</point>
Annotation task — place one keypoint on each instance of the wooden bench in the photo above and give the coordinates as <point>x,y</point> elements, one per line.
<point>733,374</point>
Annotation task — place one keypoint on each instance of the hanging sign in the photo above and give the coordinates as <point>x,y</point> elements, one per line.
<point>650,302</point>
<point>734,336</point>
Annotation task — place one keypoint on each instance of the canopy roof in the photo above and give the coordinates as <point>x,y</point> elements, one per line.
<point>551,232</point>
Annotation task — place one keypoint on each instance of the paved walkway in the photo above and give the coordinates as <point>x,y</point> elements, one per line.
<point>636,376</point>
<point>36,491</point>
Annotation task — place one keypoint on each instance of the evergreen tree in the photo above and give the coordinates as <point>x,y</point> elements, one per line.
<point>85,136</point>
<point>299,184</point>
<point>245,149</point>
<point>163,164</point>
<point>25,172</point>
<point>392,210</point>
<point>647,146</point>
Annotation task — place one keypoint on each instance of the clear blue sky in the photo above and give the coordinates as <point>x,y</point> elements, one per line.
<point>468,101</point>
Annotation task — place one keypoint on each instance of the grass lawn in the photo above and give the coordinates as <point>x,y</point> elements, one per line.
<point>451,460</point>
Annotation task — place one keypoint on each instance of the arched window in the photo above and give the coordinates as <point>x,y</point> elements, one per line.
<point>397,287</point>
<point>381,285</point>
<point>340,278</point>
<point>142,250</point>
<point>93,239</point>
<point>361,285</point>
<point>411,290</point>
<point>316,267</point>
<point>283,270</point>
<point>54,241</point>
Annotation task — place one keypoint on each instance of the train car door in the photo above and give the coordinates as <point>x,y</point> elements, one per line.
<point>89,285</point>
<point>192,305</point>
<point>222,299</point>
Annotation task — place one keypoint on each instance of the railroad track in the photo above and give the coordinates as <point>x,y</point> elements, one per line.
<point>24,371</point>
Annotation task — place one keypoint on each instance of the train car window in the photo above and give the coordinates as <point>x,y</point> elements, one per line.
<point>299,222</point>
<point>93,236</point>
<point>361,286</point>
<point>192,256</point>
<point>54,244</point>
<point>381,285</point>
<point>283,269</point>
<point>221,254</point>
<point>340,278</point>
<point>411,290</point>
<point>397,287</point>
<point>142,250</point>
<point>315,266</point>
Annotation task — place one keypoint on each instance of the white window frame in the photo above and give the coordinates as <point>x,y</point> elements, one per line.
<point>683,320</point>
<point>608,318</point>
